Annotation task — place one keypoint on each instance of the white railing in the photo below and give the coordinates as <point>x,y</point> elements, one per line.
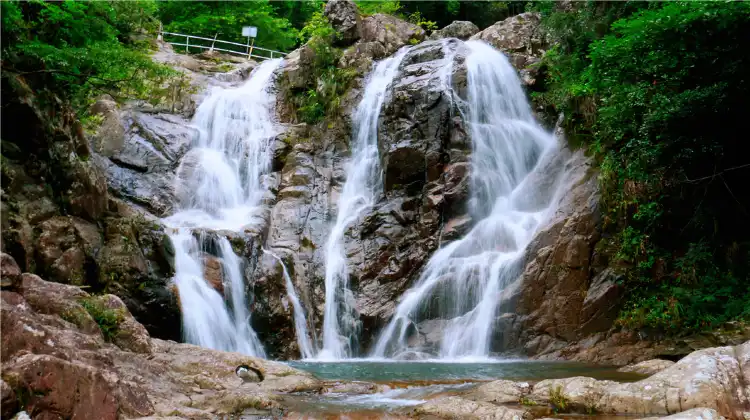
<point>248,50</point>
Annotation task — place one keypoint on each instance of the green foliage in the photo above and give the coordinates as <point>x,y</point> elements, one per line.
<point>317,27</point>
<point>226,18</point>
<point>107,319</point>
<point>558,400</point>
<point>388,7</point>
<point>329,82</point>
<point>482,13</point>
<point>417,19</point>
<point>82,49</point>
<point>657,92</point>
<point>297,12</point>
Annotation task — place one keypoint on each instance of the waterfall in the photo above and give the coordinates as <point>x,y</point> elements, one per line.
<point>362,186</point>
<point>220,186</point>
<point>300,322</point>
<point>461,283</point>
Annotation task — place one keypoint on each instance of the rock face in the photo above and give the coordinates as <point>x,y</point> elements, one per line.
<point>460,29</point>
<point>58,362</point>
<point>381,36</point>
<point>344,18</point>
<point>521,38</point>
<point>82,206</point>
<point>425,182</point>
<point>714,378</point>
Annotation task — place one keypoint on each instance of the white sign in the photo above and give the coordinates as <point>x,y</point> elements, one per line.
<point>250,31</point>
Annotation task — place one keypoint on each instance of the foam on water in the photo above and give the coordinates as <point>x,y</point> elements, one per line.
<point>462,282</point>
<point>363,184</point>
<point>220,186</point>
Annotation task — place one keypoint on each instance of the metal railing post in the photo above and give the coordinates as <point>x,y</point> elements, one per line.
<point>214,42</point>
<point>249,46</point>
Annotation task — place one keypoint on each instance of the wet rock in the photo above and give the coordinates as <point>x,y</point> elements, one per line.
<point>521,38</point>
<point>648,367</point>
<point>355,387</point>
<point>214,273</point>
<point>457,407</point>
<point>141,172</point>
<point>548,298</point>
<point>416,117</point>
<point>457,227</point>
<point>602,303</point>
<point>344,17</point>
<point>460,29</point>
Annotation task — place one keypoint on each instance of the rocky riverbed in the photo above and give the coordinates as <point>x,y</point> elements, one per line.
<point>67,354</point>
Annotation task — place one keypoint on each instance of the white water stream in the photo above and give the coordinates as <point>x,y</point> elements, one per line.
<point>363,185</point>
<point>466,277</point>
<point>306,348</point>
<point>220,187</point>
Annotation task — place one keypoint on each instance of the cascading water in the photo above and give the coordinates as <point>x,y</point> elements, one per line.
<point>220,186</point>
<point>362,186</point>
<point>300,322</point>
<point>461,283</point>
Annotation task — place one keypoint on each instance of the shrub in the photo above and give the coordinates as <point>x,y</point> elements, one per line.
<point>107,319</point>
<point>656,91</point>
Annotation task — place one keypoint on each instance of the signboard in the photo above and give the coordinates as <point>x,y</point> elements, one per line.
<point>250,31</point>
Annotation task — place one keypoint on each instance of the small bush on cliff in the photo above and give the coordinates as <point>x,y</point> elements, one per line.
<point>107,319</point>
<point>657,92</point>
<point>322,97</point>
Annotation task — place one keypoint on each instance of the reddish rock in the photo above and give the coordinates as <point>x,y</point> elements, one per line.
<point>66,389</point>
<point>10,274</point>
<point>130,334</point>
<point>214,272</point>
<point>59,299</point>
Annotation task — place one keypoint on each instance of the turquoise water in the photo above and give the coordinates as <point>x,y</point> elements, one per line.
<point>405,384</point>
<point>431,371</point>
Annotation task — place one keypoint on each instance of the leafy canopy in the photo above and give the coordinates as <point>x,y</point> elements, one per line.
<point>80,49</point>
<point>226,18</point>
<point>657,91</point>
